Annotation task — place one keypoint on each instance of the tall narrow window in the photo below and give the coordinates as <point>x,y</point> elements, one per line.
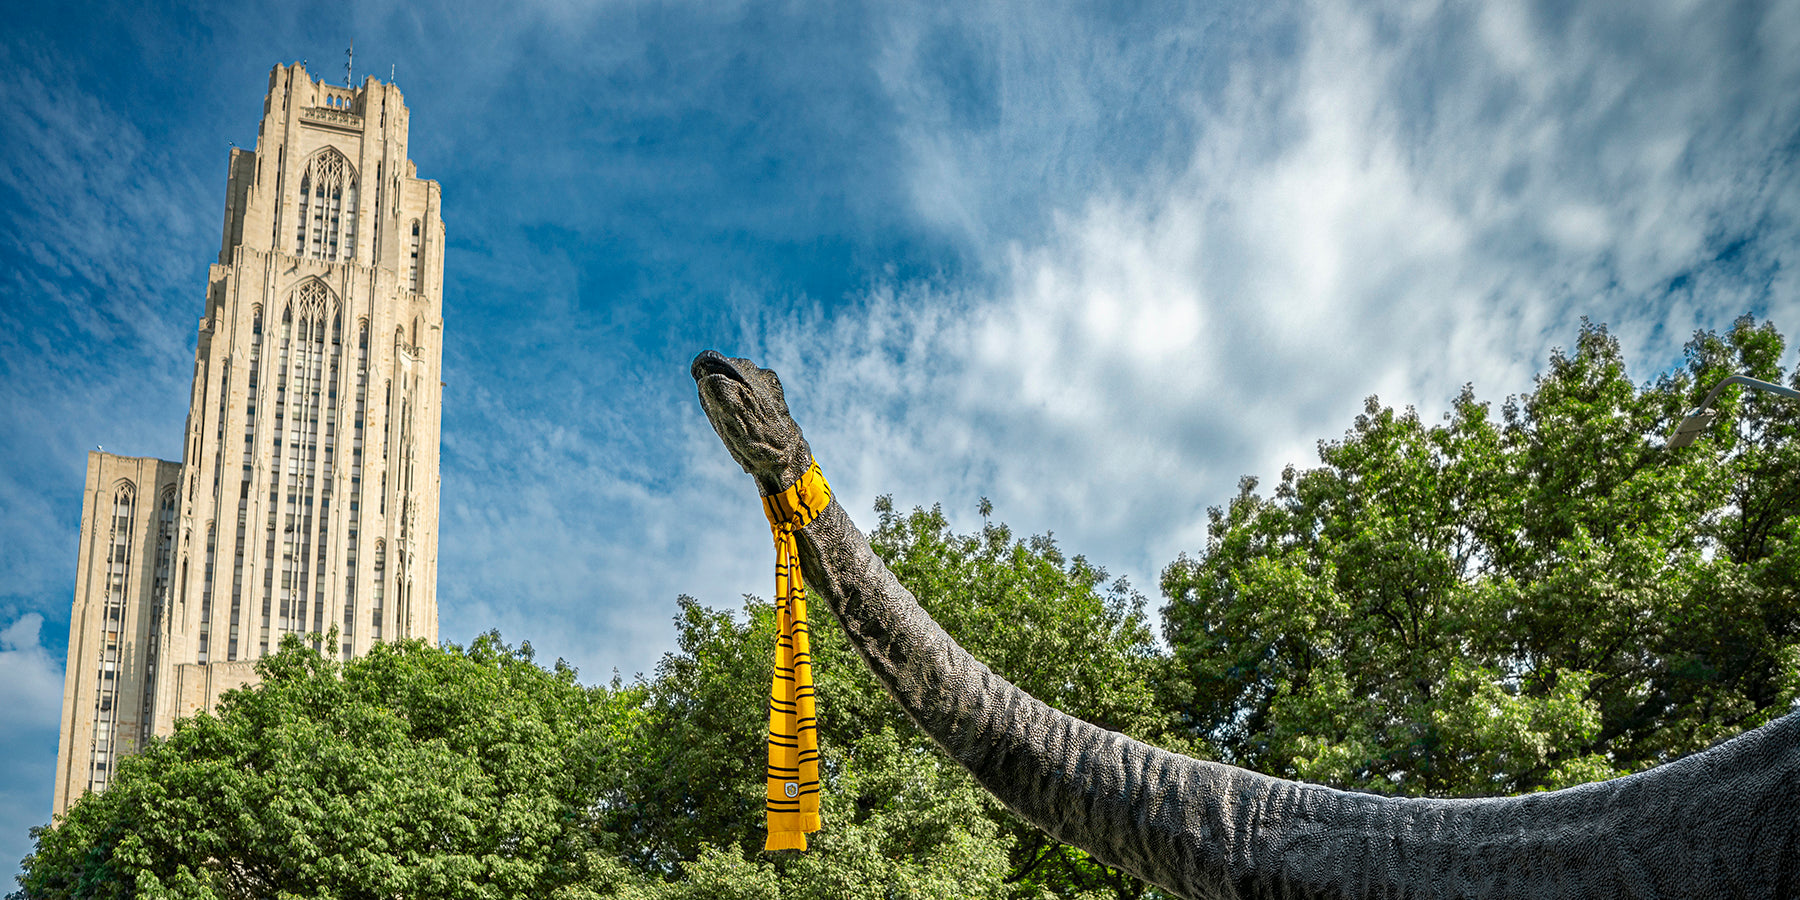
<point>106,677</point>
<point>219,451</point>
<point>356,472</point>
<point>206,590</point>
<point>291,586</point>
<point>280,179</point>
<point>159,600</point>
<point>403,600</point>
<point>412,276</point>
<point>250,405</point>
<point>306,204</point>
<point>279,480</point>
<point>325,227</point>
<point>378,217</point>
<point>380,579</point>
<point>254,380</point>
<point>327,466</point>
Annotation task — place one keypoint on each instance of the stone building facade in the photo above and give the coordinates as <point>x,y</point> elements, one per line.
<point>306,500</point>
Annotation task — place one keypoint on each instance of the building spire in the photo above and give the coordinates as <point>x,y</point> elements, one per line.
<point>349,54</point>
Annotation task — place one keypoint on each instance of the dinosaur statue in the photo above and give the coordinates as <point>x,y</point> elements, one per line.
<point>1722,823</point>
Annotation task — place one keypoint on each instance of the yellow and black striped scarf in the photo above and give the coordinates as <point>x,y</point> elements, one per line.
<point>793,774</point>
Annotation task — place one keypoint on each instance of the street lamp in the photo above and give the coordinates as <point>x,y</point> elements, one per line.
<point>1697,421</point>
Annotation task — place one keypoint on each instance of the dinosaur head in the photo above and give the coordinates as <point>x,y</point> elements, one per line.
<point>746,407</point>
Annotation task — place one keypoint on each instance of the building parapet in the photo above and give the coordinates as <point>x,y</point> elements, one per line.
<point>325,115</point>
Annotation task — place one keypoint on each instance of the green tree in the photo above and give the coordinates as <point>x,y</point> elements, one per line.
<point>413,771</point>
<point>1056,627</point>
<point>901,820</point>
<point>1493,606</point>
<point>422,771</point>
<point>689,811</point>
<point>1730,673</point>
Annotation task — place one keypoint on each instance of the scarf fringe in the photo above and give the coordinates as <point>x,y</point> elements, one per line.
<point>786,840</point>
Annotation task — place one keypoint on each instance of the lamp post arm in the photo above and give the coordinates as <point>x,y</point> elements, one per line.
<point>1747,381</point>
<point>1700,419</point>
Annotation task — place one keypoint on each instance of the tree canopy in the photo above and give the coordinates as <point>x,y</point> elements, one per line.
<point>452,772</point>
<point>414,771</point>
<point>1489,604</point>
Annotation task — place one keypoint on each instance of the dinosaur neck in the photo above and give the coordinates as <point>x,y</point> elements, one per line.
<point>1202,829</point>
<point>772,484</point>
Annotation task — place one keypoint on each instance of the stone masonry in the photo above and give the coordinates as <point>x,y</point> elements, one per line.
<point>306,500</point>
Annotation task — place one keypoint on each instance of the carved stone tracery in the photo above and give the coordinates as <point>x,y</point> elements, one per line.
<point>326,227</point>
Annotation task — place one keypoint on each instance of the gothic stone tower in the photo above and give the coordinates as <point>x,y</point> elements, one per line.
<point>307,495</point>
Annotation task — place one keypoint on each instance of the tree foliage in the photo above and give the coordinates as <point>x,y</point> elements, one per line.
<point>1491,606</point>
<point>899,815</point>
<point>1052,625</point>
<point>414,771</point>
<point>419,771</point>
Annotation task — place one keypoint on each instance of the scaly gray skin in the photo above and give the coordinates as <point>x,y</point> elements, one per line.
<point>1723,823</point>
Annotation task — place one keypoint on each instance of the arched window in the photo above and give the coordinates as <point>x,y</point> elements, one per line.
<point>297,529</point>
<point>313,296</point>
<point>326,225</point>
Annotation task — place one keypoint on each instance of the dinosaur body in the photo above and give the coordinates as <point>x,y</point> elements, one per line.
<point>1723,823</point>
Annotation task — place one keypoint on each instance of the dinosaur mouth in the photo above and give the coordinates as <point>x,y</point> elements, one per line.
<point>711,365</point>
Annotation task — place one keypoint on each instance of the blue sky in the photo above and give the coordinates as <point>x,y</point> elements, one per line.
<point>1094,262</point>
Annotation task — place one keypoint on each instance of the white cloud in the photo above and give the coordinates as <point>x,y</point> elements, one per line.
<point>31,683</point>
<point>1411,203</point>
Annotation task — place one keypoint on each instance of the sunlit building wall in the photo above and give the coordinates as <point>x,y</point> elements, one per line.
<point>306,500</point>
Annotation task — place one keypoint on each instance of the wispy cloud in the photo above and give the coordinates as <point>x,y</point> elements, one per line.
<point>99,240</point>
<point>1404,201</point>
<point>1416,198</point>
<point>99,236</point>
